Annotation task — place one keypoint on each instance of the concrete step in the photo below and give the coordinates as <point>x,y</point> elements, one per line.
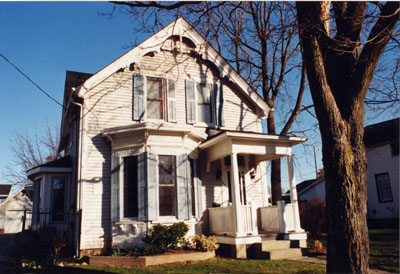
<point>281,254</point>
<point>280,244</point>
<point>275,244</point>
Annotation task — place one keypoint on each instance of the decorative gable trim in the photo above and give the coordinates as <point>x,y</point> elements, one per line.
<point>180,28</point>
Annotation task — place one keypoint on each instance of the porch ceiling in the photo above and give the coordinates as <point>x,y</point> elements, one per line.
<point>265,147</point>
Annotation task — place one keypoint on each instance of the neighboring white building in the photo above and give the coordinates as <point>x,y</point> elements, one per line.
<point>382,145</point>
<point>14,210</point>
<point>161,135</point>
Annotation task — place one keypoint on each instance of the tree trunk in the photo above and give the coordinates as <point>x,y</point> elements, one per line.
<point>276,190</point>
<point>345,167</point>
<point>339,73</point>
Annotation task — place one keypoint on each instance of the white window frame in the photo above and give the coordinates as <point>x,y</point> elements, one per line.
<point>166,99</point>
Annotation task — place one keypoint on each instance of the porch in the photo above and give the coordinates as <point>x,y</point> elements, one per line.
<point>240,223</point>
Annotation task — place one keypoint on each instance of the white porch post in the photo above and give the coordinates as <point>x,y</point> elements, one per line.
<point>293,194</point>
<point>236,195</point>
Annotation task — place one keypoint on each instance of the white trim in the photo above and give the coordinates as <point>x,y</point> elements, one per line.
<point>181,28</point>
<point>258,136</point>
<point>164,127</point>
<point>48,170</point>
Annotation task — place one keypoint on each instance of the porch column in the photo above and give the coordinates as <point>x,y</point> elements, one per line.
<point>236,195</point>
<point>293,194</point>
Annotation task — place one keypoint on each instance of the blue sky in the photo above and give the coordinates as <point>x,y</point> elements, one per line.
<point>44,39</point>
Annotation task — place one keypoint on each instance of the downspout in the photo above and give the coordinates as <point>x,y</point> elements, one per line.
<point>79,174</point>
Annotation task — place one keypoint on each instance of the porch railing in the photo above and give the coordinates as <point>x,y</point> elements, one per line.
<point>222,220</point>
<point>279,218</point>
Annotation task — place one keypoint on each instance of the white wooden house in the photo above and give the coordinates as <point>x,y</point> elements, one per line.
<point>160,135</point>
<point>13,211</point>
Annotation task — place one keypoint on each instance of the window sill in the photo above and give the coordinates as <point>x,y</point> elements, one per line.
<point>204,125</point>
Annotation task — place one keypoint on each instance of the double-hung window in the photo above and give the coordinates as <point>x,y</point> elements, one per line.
<point>130,186</point>
<point>153,98</point>
<point>166,183</point>
<point>203,95</point>
<point>204,103</point>
<point>58,199</point>
<point>383,187</point>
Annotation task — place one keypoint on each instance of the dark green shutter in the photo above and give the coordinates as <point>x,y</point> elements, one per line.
<point>142,183</point>
<point>115,169</point>
<point>152,187</point>
<point>138,97</point>
<point>183,195</point>
<point>190,102</point>
<point>219,105</point>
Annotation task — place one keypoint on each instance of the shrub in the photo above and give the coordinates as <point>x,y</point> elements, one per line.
<point>313,215</point>
<point>40,246</point>
<point>202,243</point>
<point>162,238</point>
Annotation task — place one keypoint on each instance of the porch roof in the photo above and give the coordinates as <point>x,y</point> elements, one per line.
<point>265,147</point>
<point>61,165</point>
<point>154,127</point>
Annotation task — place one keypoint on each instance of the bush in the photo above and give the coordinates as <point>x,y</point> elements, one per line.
<point>163,238</point>
<point>202,243</point>
<point>313,215</point>
<point>41,246</point>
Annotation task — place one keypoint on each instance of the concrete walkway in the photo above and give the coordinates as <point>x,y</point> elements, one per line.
<point>314,260</point>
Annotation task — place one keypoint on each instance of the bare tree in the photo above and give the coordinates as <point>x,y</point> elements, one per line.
<point>30,150</point>
<point>259,39</point>
<point>340,67</point>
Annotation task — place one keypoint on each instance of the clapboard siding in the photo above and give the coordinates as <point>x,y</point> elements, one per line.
<point>109,104</point>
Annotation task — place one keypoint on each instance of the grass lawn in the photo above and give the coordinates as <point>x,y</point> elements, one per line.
<point>215,266</point>
<point>384,248</point>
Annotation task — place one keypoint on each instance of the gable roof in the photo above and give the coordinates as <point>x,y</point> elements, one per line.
<point>181,28</point>
<point>305,185</point>
<point>5,190</point>
<point>382,133</point>
<point>28,191</point>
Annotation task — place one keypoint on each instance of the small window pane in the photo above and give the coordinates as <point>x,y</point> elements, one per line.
<point>58,199</point>
<point>154,88</point>
<point>166,175</point>
<point>203,94</point>
<point>204,113</point>
<point>154,109</point>
<point>130,187</point>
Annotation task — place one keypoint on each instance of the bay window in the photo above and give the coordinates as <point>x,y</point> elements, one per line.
<point>150,186</point>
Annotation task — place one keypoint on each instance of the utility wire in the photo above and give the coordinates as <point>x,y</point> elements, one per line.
<point>30,80</point>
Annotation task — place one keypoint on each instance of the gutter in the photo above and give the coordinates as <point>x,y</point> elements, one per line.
<point>79,201</point>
